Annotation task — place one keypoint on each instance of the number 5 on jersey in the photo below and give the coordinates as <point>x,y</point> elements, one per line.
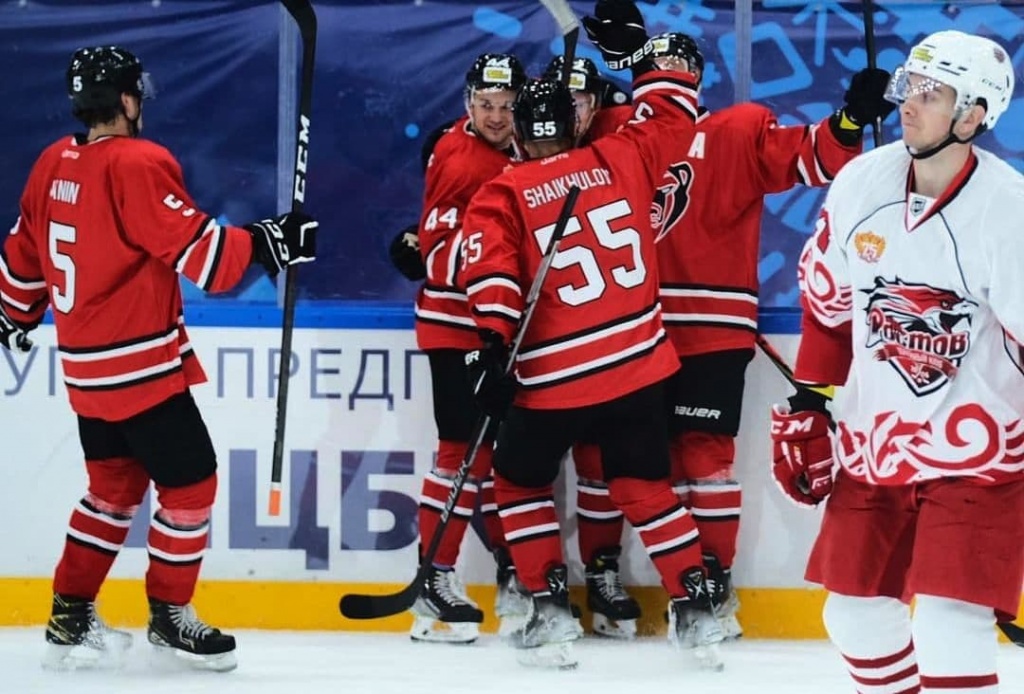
<point>63,298</point>
<point>601,220</point>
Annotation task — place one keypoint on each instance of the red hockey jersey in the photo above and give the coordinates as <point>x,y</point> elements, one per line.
<point>708,208</point>
<point>105,228</point>
<point>596,333</point>
<point>460,164</point>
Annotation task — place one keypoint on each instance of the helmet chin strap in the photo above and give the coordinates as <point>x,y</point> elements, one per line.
<point>951,138</point>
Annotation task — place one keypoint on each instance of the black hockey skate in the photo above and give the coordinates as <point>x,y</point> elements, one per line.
<point>443,612</point>
<point>614,610</point>
<point>546,639</point>
<point>77,638</point>
<point>723,596</point>
<point>176,630</point>
<point>512,603</point>
<point>692,624</point>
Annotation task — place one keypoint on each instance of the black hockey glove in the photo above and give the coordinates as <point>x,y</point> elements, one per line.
<point>405,254</point>
<point>617,29</point>
<point>865,101</point>
<point>11,336</point>
<point>493,389</point>
<point>286,240</point>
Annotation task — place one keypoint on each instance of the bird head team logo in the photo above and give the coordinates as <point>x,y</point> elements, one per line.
<point>923,332</point>
<point>671,198</point>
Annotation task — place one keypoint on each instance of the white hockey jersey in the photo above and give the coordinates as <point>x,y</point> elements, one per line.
<point>932,291</point>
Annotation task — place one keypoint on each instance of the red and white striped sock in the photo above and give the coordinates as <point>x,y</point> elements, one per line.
<point>176,544</point>
<point>96,533</point>
<point>895,673</point>
<point>531,530</point>
<point>664,526</point>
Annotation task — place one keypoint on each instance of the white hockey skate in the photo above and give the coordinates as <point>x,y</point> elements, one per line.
<point>727,612</point>
<point>76,638</point>
<point>723,596</point>
<point>692,624</point>
<point>546,640</point>
<point>512,602</point>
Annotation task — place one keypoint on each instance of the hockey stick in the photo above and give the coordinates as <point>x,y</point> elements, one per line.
<point>304,16</point>
<point>869,46</point>
<point>570,28</point>
<point>359,606</point>
<point>769,351</point>
<point>1012,632</point>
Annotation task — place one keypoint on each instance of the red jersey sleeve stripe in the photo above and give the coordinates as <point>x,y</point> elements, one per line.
<point>28,284</point>
<point>201,229</point>
<point>493,281</point>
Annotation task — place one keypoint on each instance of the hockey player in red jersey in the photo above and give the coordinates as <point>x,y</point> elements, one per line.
<point>614,611</point>
<point>708,208</point>
<point>473,150</point>
<point>595,119</point>
<point>595,357</point>
<point>911,288</point>
<point>105,228</point>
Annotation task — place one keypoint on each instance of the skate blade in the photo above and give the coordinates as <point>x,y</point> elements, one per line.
<point>510,624</point>
<point>175,658</point>
<point>428,630</point>
<point>624,630</point>
<point>551,656</point>
<point>731,628</point>
<point>708,657</point>
<point>58,658</point>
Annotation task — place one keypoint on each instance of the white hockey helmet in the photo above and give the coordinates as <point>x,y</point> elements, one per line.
<point>977,68</point>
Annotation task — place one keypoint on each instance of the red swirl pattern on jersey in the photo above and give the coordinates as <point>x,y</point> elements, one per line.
<point>460,164</point>
<point>827,300</point>
<point>898,451</point>
<point>104,231</point>
<point>708,255</point>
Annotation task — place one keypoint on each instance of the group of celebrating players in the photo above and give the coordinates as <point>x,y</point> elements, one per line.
<point>633,358</point>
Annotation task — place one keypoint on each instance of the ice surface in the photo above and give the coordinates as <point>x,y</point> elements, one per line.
<point>346,663</point>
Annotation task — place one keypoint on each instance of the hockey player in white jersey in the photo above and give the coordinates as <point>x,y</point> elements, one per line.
<point>912,288</point>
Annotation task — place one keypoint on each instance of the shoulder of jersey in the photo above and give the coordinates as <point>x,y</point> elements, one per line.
<point>877,164</point>
<point>1004,175</point>
<point>457,140</point>
<point>137,148</point>
<point>741,115</point>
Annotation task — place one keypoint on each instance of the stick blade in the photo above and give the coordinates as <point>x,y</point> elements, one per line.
<point>359,606</point>
<point>563,14</point>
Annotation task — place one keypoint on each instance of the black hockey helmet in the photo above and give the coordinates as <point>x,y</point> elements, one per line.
<point>97,77</point>
<point>680,45</point>
<point>495,71</point>
<point>583,78</point>
<point>544,110</point>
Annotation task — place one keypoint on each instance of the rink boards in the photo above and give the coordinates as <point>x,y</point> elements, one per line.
<point>360,436</point>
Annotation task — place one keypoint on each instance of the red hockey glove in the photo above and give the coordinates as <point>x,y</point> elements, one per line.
<point>802,452</point>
